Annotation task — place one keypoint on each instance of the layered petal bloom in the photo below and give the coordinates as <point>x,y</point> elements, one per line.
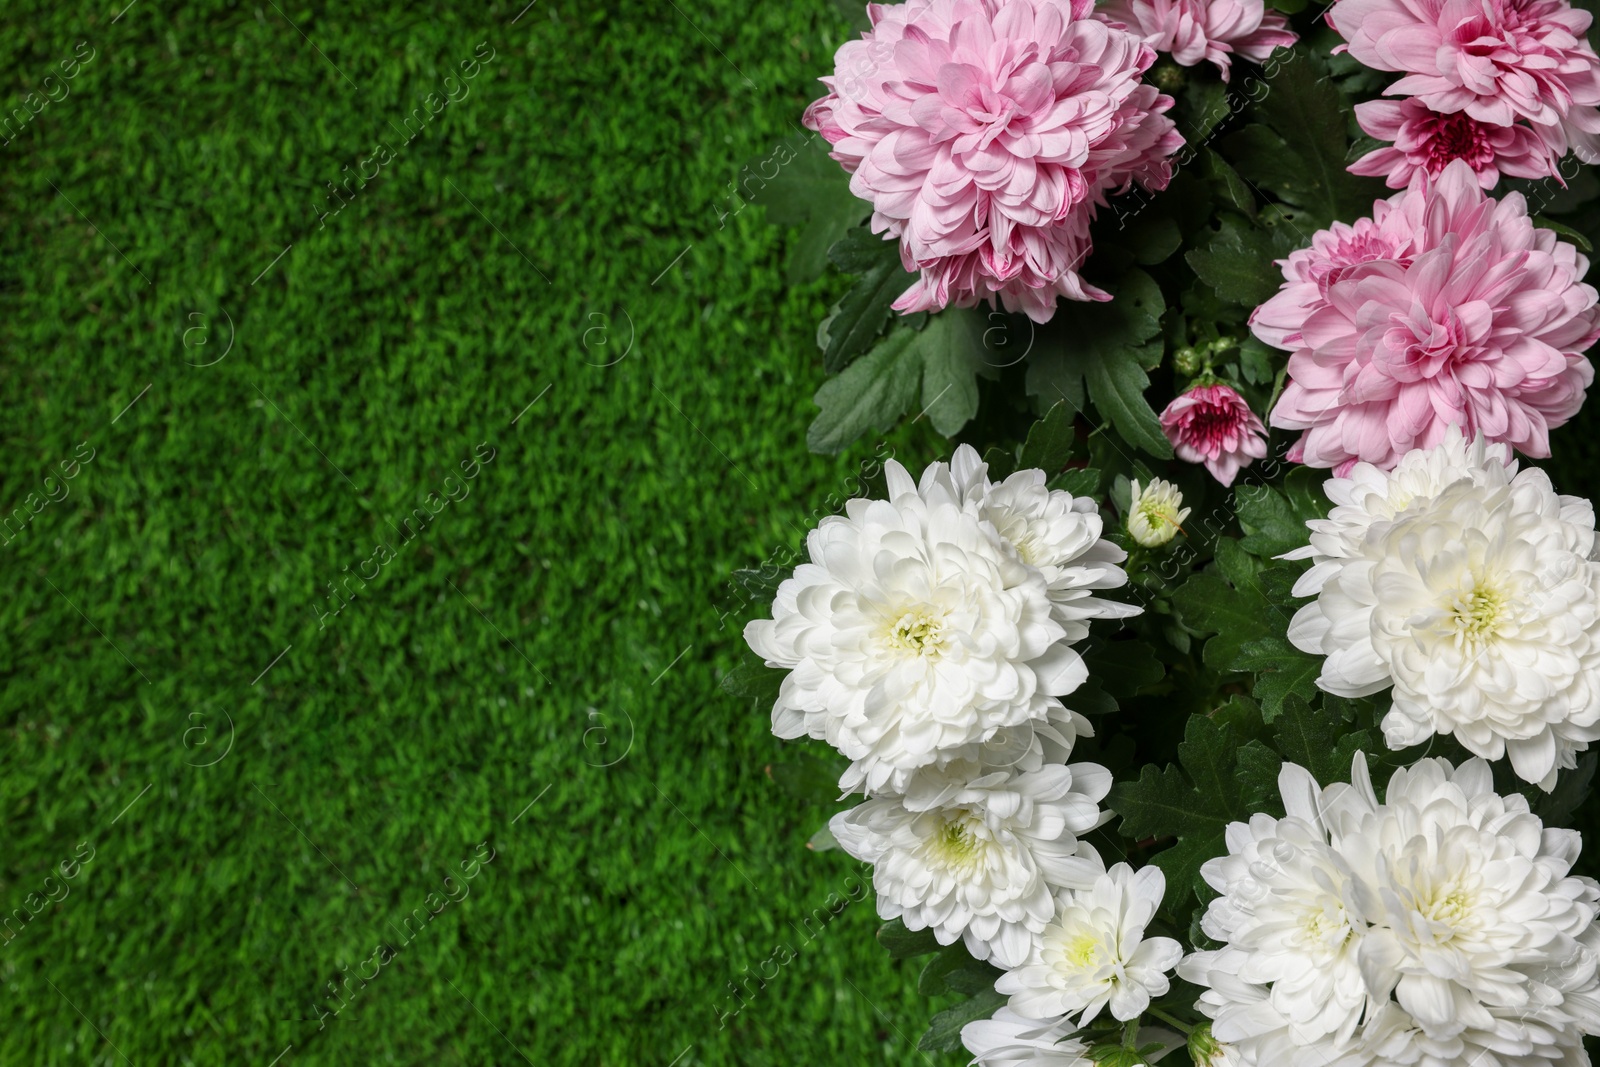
<point>1094,955</point>
<point>976,855</point>
<point>1496,60</point>
<point>1441,926</point>
<point>1425,142</point>
<point>1195,31</point>
<point>1212,424</point>
<point>913,631</point>
<point>984,133</point>
<point>919,633</point>
<point>1009,1040</point>
<point>1480,605</point>
<point>1477,318</point>
<point>1051,530</point>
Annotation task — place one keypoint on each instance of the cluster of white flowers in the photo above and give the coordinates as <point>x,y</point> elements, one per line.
<point>1437,927</point>
<point>1472,590</point>
<point>930,640</point>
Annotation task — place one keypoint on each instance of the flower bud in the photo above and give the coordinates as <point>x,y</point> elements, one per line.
<point>1155,513</point>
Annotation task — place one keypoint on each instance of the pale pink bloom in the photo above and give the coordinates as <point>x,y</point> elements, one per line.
<point>1212,424</point>
<point>1334,253</point>
<point>1480,323</point>
<point>985,132</point>
<point>1426,141</point>
<point>1195,30</point>
<point>1496,60</point>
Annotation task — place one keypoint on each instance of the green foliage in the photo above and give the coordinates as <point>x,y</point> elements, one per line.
<point>1238,261</point>
<point>810,191</point>
<point>1218,782</point>
<point>1106,349</point>
<point>858,318</point>
<point>944,1029</point>
<point>940,363</point>
<point>1320,740</point>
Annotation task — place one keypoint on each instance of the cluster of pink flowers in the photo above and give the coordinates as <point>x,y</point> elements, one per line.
<point>1194,31</point>
<point>985,133</point>
<point>1507,86</point>
<point>1446,308</point>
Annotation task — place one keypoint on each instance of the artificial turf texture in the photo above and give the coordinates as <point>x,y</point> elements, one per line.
<point>554,636</point>
<point>572,593</point>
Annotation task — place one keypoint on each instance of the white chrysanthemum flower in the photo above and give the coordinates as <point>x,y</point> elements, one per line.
<point>1155,512</point>
<point>1051,530</point>
<point>1094,954</point>
<point>1370,495</point>
<point>1480,605</point>
<point>914,631</point>
<point>1438,927</point>
<point>1009,1040</point>
<point>977,856</point>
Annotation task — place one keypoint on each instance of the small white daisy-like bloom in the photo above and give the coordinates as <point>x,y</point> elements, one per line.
<point>1009,1040</point>
<point>1051,530</point>
<point>915,630</point>
<point>976,855</point>
<point>1155,512</point>
<point>1438,927</point>
<point>1094,954</point>
<point>1478,602</point>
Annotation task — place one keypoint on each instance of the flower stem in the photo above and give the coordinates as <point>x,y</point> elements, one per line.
<point>1182,1028</point>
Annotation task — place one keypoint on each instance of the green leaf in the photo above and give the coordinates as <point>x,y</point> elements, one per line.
<point>1573,787</point>
<point>1194,802</point>
<point>860,250</point>
<point>858,318</point>
<point>1269,521</point>
<point>1236,613</point>
<point>872,393</point>
<point>944,1029</point>
<point>1232,189</point>
<point>954,970</point>
<point>1565,231</point>
<point>903,943</point>
<point>822,841</point>
<point>812,191</point>
<point>952,353</point>
<point>1001,462</point>
<point>1318,740</point>
<point>1050,440</point>
<point>1117,388</point>
<point>1124,667</point>
<point>1309,114</point>
<point>1152,238</point>
<point>1238,262</point>
<point>1205,106</point>
<point>754,680</point>
<point>1255,360</point>
<point>1281,671</point>
<point>1079,481</point>
<point>807,779</point>
<point>1109,345</point>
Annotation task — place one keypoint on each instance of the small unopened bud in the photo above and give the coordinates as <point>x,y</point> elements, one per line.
<point>1187,362</point>
<point>1168,77</point>
<point>1207,1051</point>
<point>1155,513</point>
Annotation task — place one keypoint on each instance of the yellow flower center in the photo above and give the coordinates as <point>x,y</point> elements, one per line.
<point>1480,612</point>
<point>918,632</point>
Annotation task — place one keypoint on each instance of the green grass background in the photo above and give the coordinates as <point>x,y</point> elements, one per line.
<point>554,638</point>
<point>567,613</point>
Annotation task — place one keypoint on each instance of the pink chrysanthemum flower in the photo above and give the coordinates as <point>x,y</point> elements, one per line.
<point>1212,424</point>
<point>1192,31</point>
<point>1496,60</point>
<point>985,132</point>
<point>1334,253</point>
<point>1425,142</point>
<point>1480,322</point>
